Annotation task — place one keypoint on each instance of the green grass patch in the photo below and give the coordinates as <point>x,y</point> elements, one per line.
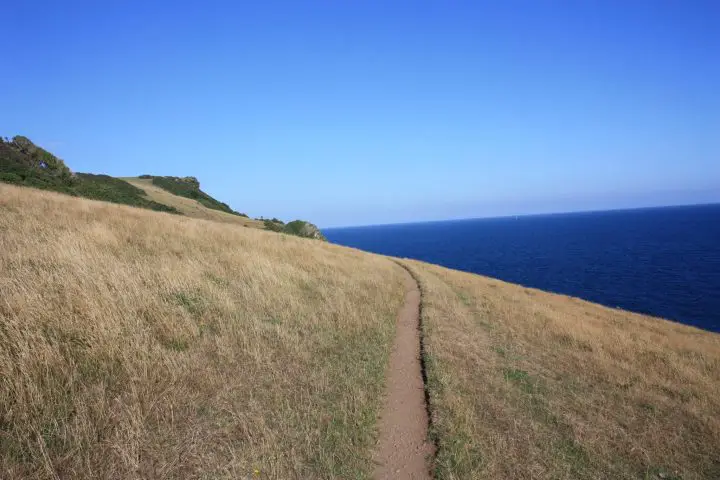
<point>517,376</point>
<point>522,379</point>
<point>463,297</point>
<point>457,453</point>
<point>177,344</point>
<point>573,454</point>
<point>190,301</point>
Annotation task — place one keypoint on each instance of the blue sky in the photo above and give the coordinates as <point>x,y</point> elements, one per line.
<point>362,112</point>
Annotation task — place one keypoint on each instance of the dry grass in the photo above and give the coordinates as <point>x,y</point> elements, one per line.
<point>527,384</point>
<point>137,344</point>
<point>188,206</point>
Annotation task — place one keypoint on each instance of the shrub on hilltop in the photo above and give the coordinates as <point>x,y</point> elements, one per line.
<point>189,187</point>
<point>299,228</point>
<point>24,163</point>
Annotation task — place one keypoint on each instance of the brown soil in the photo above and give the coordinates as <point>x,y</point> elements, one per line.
<point>403,448</point>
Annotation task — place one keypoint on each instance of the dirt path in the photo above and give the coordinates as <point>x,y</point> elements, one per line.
<point>403,447</point>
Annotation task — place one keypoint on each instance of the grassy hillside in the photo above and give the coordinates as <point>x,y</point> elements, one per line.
<point>527,384</point>
<point>138,344</point>
<point>24,163</point>
<point>189,206</point>
<point>173,192</point>
<point>189,187</point>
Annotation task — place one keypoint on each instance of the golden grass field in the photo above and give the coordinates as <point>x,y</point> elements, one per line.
<point>188,206</point>
<point>138,344</point>
<point>531,385</point>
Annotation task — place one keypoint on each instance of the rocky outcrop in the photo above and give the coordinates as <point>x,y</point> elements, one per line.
<point>305,229</point>
<point>299,228</point>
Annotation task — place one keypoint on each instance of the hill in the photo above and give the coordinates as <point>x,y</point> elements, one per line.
<point>189,206</point>
<point>138,344</point>
<point>189,187</point>
<point>24,163</point>
<point>299,228</point>
<point>528,384</point>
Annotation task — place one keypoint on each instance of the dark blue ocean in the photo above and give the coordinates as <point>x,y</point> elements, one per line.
<point>660,261</point>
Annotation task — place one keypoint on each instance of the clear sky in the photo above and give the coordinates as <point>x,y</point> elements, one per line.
<point>349,112</point>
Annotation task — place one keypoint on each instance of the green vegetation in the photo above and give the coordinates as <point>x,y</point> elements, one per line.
<point>275,225</point>
<point>24,163</point>
<point>302,228</point>
<point>189,187</point>
<point>299,228</point>
<point>111,189</point>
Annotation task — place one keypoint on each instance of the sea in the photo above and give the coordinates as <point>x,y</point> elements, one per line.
<point>663,261</point>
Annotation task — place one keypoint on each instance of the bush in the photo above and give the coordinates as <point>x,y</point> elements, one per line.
<point>10,178</point>
<point>23,163</point>
<point>111,189</point>
<point>274,226</point>
<point>189,187</point>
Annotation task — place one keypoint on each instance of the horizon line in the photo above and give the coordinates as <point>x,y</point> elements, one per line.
<point>494,217</point>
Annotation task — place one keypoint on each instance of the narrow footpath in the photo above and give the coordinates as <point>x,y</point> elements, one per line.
<point>403,450</point>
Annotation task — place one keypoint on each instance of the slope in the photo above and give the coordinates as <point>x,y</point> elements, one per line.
<point>189,206</point>
<point>528,384</point>
<point>136,344</point>
<point>24,163</point>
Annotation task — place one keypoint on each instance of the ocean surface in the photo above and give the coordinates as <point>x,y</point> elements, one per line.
<point>659,261</point>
